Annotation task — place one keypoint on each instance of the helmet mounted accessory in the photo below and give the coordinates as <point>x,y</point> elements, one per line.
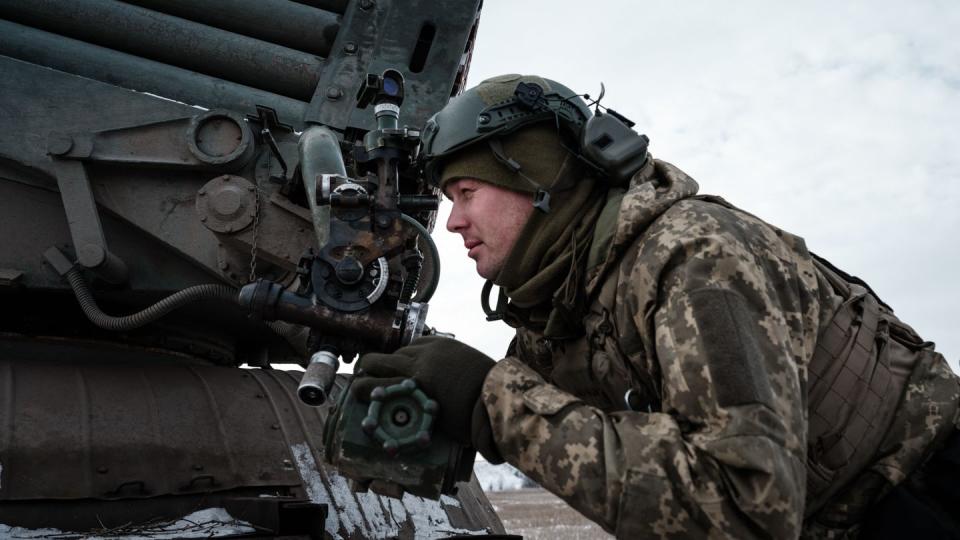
<point>603,140</point>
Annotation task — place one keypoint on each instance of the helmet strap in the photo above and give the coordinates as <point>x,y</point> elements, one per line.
<point>541,200</point>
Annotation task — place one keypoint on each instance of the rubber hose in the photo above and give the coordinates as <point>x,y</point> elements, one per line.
<point>150,314</point>
<point>433,254</point>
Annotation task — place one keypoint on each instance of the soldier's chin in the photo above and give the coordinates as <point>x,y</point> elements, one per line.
<point>487,271</point>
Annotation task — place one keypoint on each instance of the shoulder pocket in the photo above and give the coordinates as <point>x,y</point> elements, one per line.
<point>547,400</point>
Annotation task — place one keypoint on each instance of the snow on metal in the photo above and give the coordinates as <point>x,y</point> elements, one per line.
<point>209,523</point>
<point>369,515</point>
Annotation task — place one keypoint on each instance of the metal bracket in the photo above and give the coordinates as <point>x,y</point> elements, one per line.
<point>212,140</point>
<point>82,216</point>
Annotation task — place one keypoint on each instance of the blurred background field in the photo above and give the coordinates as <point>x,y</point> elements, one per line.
<point>529,510</point>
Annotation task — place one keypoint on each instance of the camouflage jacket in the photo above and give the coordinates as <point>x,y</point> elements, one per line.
<point>711,318</point>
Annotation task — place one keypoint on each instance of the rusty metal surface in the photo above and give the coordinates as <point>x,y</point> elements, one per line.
<point>80,439</point>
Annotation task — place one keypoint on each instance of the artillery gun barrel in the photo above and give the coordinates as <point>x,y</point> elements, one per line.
<point>175,41</point>
<point>293,25</point>
<point>97,63</point>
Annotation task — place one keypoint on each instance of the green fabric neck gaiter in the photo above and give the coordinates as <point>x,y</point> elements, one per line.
<point>548,261</point>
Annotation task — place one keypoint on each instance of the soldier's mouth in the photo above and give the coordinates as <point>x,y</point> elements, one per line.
<point>472,247</point>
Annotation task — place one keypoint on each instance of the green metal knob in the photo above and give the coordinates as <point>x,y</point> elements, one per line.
<point>400,417</point>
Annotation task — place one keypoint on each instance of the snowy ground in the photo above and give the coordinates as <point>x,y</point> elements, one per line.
<point>537,514</point>
<point>208,523</point>
<point>500,477</point>
<point>529,510</point>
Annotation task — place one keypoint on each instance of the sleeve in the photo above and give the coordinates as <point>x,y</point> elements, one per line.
<point>725,456</point>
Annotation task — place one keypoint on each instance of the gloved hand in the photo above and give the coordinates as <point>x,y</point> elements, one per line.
<point>449,372</point>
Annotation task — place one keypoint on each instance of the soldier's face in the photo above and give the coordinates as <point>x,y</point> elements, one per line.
<point>489,218</point>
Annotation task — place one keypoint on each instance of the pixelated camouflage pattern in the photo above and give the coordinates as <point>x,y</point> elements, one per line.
<point>719,445</point>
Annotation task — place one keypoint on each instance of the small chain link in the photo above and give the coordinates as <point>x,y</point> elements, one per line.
<point>256,230</point>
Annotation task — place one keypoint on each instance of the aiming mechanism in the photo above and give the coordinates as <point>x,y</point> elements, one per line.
<point>365,290</point>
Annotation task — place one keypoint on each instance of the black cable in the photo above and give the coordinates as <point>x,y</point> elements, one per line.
<point>150,314</point>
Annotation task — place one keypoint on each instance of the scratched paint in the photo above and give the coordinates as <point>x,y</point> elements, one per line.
<point>368,515</point>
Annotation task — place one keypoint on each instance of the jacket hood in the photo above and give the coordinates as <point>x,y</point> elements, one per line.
<point>657,186</point>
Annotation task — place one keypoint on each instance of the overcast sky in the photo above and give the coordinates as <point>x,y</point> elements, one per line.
<point>836,121</point>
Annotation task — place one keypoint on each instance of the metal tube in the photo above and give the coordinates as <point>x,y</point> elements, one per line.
<point>270,301</point>
<point>293,25</point>
<point>336,6</point>
<point>120,69</point>
<point>318,378</point>
<point>174,41</point>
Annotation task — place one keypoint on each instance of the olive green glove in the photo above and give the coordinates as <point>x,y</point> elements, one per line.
<point>449,372</point>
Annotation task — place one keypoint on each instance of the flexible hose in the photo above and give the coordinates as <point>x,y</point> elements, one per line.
<point>150,314</point>
<point>426,294</point>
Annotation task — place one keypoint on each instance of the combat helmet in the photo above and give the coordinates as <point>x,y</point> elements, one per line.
<point>501,105</point>
<point>497,107</point>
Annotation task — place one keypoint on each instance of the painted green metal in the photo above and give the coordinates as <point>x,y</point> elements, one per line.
<point>164,138</point>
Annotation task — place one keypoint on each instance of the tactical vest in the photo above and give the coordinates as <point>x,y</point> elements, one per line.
<point>856,377</point>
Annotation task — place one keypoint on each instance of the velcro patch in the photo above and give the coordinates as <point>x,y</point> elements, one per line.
<point>547,400</point>
<point>729,333</point>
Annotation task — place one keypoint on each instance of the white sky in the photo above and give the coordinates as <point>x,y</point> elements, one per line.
<point>835,121</point>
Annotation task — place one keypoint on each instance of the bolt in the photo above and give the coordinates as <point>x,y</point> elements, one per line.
<point>484,119</point>
<point>203,218</point>
<point>287,464</point>
<point>198,468</point>
<point>350,47</point>
<point>383,221</point>
<point>102,470</point>
<point>250,188</point>
<point>59,144</point>
<point>401,417</point>
<point>275,426</point>
<point>202,192</point>
<point>334,93</point>
<point>224,265</point>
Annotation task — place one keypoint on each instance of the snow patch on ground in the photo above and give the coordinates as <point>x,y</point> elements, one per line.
<point>209,523</point>
<point>500,477</point>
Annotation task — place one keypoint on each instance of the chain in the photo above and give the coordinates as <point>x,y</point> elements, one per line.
<point>256,230</point>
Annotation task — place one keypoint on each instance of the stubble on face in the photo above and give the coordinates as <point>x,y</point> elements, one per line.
<point>489,218</point>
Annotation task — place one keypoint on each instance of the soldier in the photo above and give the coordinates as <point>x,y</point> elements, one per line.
<point>681,368</point>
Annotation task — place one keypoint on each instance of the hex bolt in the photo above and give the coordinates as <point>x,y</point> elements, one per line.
<point>350,47</point>
<point>484,119</point>
<point>334,93</point>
